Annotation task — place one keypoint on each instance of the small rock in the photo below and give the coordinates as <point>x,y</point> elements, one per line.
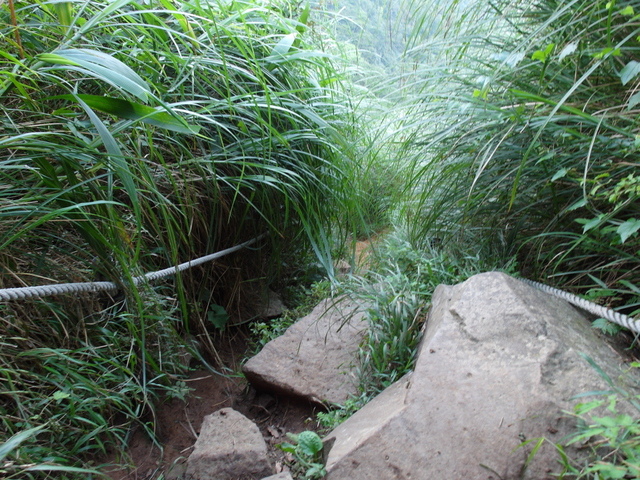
<point>316,357</point>
<point>342,267</point>
<point>273,306</point>
<point>279,476</point>
<point>230,446</point>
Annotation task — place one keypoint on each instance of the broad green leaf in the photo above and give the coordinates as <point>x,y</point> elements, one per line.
<point>118,161</point>
<point>483,94</point>
<point>542,55</point>
<point>614,52</point>
<point>287,447</point>
<point>627,11</point>
<point>629,71</point>
<point>103,67</point>
<point>56,59</point>
<point>559,174</point>
<point>608,470</point>
<point>316,470</point>
<point>579,204</point>
<point>135,111</point>
<point>590,224</point>
<point>109,142</point>
<point>607,327</point>
<point>60,395</point>
<point>620,420</point>
<point>628,228</point>
<point>304,17</point>
<point>218,316</point>
<point>284,45</point>
<point>309,443</point>
<point>633,100</point>
<point>64,12</point>
<point>11,59</point>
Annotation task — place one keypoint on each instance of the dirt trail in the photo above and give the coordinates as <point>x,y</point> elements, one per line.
<point>178,421</point>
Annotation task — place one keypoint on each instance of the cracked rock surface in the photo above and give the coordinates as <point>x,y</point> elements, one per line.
<point>229,447</point>
<point>315,358</point>
<point>498,364</point>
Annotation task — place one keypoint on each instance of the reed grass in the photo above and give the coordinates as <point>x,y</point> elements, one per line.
<point>523,136</point>
<point>135,136</point>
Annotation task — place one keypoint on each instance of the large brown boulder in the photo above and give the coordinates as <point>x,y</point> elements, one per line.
<point>498,365</point>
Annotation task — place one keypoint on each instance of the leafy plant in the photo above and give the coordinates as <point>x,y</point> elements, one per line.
<point>614,442</point>
<point>339,413</point>
<point>306,299</point>
<point>396,313</point>
<point>264,332</point>
<point>398,290</point>
<point>608,439</point>
<point>307,453</point>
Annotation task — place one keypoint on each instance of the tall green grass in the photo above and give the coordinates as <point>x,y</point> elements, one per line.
<point>137,135</point>
<point>524,138</point>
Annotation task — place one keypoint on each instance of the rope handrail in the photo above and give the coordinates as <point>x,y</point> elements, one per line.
<point>39,291</point>
<point>593,308</point>
<point>62,288</point>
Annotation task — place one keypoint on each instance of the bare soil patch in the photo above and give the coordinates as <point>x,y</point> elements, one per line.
<point>177,422</point>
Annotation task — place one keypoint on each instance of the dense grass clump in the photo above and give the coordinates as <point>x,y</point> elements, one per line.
<point>534,154</point>
<point>136,136</point>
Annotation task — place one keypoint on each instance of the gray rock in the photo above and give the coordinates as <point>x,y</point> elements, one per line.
<point>229,447</point>
<point>342,267</point>
<point>315,358</point>
<point>498,364</point>
<point>273,306</point>
<point>256,300</point>
<point>280,476</point>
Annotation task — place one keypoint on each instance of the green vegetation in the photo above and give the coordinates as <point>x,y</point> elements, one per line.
<point>517,129</point>
<point>307,454</point>
<point>305,298</point>
<point>139,135</point>
<point>135,137</point>
<point>613,440</point>
<point>534,154</point>
<point>398,292</point>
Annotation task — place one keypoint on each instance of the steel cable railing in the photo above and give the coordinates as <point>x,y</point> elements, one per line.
<point>602,312</point>
<point>62,288</point>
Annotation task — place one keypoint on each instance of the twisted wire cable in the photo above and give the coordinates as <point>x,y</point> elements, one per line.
<point>62,288</point>
<point>602,312</point>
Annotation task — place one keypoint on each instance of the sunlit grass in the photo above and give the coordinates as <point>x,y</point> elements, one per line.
<point>523,140</point>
